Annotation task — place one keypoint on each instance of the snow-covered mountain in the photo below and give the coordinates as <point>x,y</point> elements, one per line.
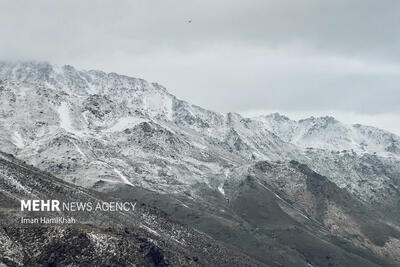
<point>77,124</point>
<point>329,134</point>
<point>115,124</point>
<point>103,131</point>
<point>362,159</point>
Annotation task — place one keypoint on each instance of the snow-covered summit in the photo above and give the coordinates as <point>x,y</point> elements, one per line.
<point>328,133</point>
<point>71,80</point>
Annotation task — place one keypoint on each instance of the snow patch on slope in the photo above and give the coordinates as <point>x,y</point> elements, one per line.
<point>221,189</point>
<point>79,150</point>
<point>124,123</point>
<point>18,140</point>
<point>158,104</point>
<point>65,119</point>
<point>123,177</point>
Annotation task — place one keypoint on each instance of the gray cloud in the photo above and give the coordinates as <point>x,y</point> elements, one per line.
<point>361,27</point>
<point>234,56</point>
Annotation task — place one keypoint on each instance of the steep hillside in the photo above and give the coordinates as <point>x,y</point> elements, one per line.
<point>144,236</point>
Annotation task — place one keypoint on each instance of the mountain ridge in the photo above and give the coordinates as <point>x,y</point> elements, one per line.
<point>114,134</point>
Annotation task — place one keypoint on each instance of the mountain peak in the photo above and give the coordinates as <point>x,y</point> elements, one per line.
<point>324,119</point>
<point>278,116</point>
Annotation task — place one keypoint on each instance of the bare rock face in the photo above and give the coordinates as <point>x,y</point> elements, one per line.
<point>321,181</point>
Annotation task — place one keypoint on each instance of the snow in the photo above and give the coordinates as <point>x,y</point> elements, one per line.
<point>18,140</point>
<point>91,88</point>
<point>150,230</point>
<point>79,150</point>
<point>123,177</point>
<point>14,183</point>
<point>65,119</point>
<point>11,251</point>
<point>183,204</point>
<point>124,123</point>
<point>199,145</point>
<point>221,189</point>
<point>23,90</point>
<point>177,241</point>
<point>158,103</point>
<point>103,242</point>
<point>328,134</point>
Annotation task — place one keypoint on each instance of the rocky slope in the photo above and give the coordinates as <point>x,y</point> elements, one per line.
<point>126,136</point>
<point>143,237</point>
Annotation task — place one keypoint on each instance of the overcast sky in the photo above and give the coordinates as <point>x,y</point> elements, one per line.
<point>300,58</point>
